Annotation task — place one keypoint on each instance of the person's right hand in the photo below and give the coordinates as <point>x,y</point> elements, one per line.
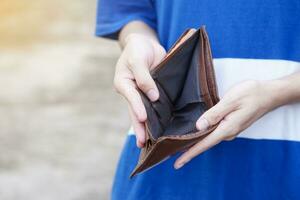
<point>139,56</point>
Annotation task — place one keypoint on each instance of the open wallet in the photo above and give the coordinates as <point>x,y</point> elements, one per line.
<point>187,88</point>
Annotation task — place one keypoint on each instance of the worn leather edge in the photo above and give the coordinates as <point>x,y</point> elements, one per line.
<point>182,41</point>
<point>212,85</point>
<point>205,93</point>
<point>150,150</point>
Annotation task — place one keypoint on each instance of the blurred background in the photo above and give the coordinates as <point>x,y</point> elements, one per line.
<point>61,124</point>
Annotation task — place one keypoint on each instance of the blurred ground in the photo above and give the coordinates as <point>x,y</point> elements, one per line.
<point>61,124</point>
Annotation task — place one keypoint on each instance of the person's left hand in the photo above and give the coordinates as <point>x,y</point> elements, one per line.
<point>238,109</point>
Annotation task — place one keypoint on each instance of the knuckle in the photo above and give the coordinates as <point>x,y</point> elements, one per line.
<point>231,135</point>
<point>223,128</point>
<point>143,84</point>
<point>229,127</point>
<point>133,60</point>
<point>117,90</point>
<point>213,118</point>
<point>229,101</point>
<point>232,129</point>
<point>237,128</point>
<point>117,85</point>
<point>160,50</point>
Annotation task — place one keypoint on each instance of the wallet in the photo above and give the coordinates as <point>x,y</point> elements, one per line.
<point>186,82</point>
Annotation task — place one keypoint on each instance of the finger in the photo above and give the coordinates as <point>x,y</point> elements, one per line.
<point>214,115</point>
<point>127,88</point>
<point>212,139</point>
<point>139,129</point>
<point>160,54</point>
<point>144,80</point>
<point>229,127</point>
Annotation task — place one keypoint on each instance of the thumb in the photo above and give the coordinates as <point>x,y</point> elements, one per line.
<point>214,115</point>
<point>144,80</point>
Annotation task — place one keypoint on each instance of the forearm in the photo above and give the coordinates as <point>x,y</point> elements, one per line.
<point>285,90</point>
<point>136,28</point>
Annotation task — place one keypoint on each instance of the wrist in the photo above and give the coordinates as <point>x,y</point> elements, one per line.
<point>137,38</point>
<point>136,29</point>
<point>276,92</point>
<point>132,37</point>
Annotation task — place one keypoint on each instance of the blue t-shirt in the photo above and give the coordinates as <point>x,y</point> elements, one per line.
<point>253,39</point>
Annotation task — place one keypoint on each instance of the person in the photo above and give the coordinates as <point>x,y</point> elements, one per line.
<point>254,153</point>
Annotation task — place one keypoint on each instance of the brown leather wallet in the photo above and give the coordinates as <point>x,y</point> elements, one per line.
<point>187,88</point>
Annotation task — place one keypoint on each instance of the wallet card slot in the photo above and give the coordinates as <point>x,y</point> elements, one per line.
<point>172,75</point>
<point>163,106</point>
<point>153,123</point>
<point>191,92</point>
<point>159,113</point>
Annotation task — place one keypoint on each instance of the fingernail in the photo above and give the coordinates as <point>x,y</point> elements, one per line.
<point>202,124</point>
<point>179,165</point>
<point>152,95</point>
<point>139,144</point>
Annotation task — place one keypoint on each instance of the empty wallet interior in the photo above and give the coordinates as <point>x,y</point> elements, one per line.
<point>181,100</point>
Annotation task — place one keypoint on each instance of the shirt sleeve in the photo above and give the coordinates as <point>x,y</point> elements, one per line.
<point>112,15</point>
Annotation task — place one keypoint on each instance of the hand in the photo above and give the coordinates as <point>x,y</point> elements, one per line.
<point>238,109</point>
<point>140,55</point>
